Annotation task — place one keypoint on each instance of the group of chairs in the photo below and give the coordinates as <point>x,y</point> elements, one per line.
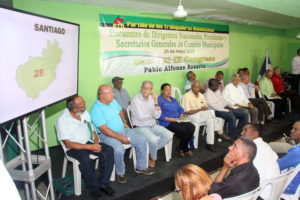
<point>278,185</point>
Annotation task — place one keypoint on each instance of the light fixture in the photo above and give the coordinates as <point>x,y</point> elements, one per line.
<point>298,36</point>
<point>180,12</point>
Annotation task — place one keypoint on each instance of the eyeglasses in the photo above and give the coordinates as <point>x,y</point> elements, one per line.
<point>147,88</point>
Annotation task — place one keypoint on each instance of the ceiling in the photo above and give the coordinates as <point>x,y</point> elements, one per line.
<point>282,14</point>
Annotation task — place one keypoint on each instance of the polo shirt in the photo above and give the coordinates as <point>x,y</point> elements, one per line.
<point>107,114</point>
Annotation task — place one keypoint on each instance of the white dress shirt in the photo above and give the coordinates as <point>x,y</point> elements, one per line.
<point>235,95</point>
<point>215,100</point>
<point>266,164</point>
<point>143,111</point>
<point>296,65</point>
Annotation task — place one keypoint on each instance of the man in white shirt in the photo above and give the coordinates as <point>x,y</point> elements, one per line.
<point>196,110</point>
<point>265,160</point>
<point>296,63</point>
<point>250,89</point>
<point>144,112</point>
<point>235,96</point>
<point>222,109</point>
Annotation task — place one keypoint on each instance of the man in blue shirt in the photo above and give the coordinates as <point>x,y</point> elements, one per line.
<point>110,122</point>
<point>79,139</point>
<point>292,159</point>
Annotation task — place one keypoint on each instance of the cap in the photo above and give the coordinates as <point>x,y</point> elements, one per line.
<point>117,79</point>
<point>213,82</point>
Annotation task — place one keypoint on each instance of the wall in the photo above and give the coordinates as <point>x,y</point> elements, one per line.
<point>247,44</point>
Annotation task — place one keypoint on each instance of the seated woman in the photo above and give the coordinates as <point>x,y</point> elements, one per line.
<point>172,117</point>
<point>194,183</point>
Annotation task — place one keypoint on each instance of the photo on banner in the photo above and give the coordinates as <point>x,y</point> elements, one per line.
<point>139,45</point>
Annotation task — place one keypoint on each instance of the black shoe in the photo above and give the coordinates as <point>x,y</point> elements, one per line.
<point>211,147</point>
<point>108,190</point>
<point>121,179</point>
<point>223,136</point>
<point>96,194</point>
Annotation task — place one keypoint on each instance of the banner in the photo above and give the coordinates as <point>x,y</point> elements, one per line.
<point>138,45</point>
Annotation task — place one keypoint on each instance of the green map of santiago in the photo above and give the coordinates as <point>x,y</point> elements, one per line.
<point>37,74</point>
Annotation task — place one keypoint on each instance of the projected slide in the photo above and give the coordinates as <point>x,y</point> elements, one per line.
<point>39,62</point>
<point>43,69</point>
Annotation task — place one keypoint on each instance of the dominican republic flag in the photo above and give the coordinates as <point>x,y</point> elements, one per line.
<point>265,66</point>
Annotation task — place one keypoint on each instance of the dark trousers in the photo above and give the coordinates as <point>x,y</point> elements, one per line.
<point>262,107</point>
<point>293,96</point>
<point>280,107</point>
<point>106,156</point>
<point>184,131</point>
<point>234,130</point>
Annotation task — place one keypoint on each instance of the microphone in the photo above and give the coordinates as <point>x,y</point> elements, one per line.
<point>84,121</point>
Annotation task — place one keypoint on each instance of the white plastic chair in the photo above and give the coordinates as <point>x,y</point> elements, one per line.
<point>196,132</point>
<point>168,146</point>
<point>248,196</point>
<point>291,177</point>
<point>76,171</point>
<point>277,185</point>
<point>175,90</point>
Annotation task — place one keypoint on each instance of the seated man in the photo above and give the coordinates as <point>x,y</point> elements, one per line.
<point>267,89</point>
<point>79,139</point>
<point>217,103</point>
<point>113,130</point>
<point>236,98</point>
<point>191,77</point>
<point>243,177</point>
<point>196,110</point>
<point>281,90</point>
<point>283,145</point>
<point>144,112</point>
<point>292,159</point>
<point>265,156</point>
<point>219,76</point>
<point>260,103</point>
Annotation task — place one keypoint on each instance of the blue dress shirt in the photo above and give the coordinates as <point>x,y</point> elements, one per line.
<point>169,109</point>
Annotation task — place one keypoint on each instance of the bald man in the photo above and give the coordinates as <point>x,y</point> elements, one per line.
<point>110,122</point>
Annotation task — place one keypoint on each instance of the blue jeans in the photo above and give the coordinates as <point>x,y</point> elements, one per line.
<point>233,130</point>
<point>139,142</point>
<point>157,137</point>
<point>106,157</point>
